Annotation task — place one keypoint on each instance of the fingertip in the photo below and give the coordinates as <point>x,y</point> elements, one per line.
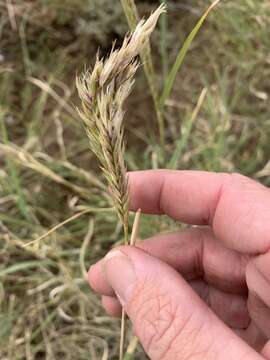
<point>92,277</point>
<point>111,306</point>
<point>97,280</point>
<point>142,196</point>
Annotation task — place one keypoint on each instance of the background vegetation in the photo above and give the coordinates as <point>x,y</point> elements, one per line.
<point>48,175</point>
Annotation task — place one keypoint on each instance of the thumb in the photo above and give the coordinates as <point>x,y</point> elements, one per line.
<point>171,321</point>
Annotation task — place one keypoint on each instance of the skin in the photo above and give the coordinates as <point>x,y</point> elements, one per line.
<point>200,293</point>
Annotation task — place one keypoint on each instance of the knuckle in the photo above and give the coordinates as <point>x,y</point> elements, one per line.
<point>238,179</point>
<point>250,212</point>
<point>240,182</point>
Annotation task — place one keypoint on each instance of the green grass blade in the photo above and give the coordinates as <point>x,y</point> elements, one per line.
<point>186,131</point>
<point>131,13</point>
<point>130,353</point>
<point>15,185</point>
<point>181,56</point>
<point>5,329</point>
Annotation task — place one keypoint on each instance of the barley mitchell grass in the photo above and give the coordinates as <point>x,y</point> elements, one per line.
<point>103,92</point>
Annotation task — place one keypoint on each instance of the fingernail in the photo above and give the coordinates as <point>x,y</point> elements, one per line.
<point>120,273</point>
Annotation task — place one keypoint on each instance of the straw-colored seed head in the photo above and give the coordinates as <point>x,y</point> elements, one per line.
<point>103,92</point>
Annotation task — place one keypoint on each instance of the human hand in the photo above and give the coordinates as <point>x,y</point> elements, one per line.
<point>204,292</point>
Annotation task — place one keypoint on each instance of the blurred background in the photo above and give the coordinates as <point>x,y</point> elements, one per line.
<point>216,119</point>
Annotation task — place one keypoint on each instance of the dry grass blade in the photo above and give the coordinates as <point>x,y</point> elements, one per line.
<point>28,160</point>
<point>73,217</point>
<point>48,89</point>
<point>103,92</point>
<point>135,228</point>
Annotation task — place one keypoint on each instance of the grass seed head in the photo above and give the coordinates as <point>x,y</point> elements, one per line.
<point>103,92</point>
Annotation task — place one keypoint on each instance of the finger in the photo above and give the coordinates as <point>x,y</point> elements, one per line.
<point>196,253</point>
<point>230,308</point>
<point>97,281</point>
<point>236,207</point>
<point>258,281</point>
<point>170,320</point>
<point>111,306</point>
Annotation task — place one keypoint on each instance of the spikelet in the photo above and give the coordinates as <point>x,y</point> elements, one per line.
<point>103,92</point>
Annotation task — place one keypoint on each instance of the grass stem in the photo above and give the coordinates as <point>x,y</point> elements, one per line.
<point>134,235</point>
<point>132,16</point>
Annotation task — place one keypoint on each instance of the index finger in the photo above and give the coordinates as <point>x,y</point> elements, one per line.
<point>237,208</point>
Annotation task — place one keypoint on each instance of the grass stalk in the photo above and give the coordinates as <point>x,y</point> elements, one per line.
<point>122,335</point>
<point>132,17</point>
<point>133,238</point>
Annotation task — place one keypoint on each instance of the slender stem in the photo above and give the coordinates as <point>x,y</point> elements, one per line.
<point>122,335</point>
<point>134,235</point>
<point>135,228</point>
<point>132,16</point>
<point>123,317</point>
<point>125,226</point>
